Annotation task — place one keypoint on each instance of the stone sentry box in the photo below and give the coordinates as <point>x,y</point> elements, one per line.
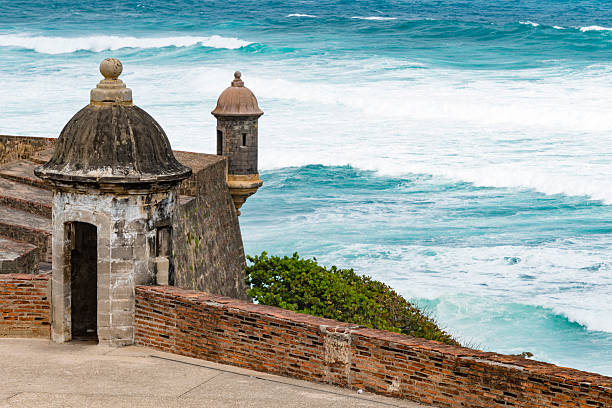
<point>237,114</point>
<point>114,180</point>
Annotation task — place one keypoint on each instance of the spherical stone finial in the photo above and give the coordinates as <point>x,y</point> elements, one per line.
<point>237,81</point>
<point>111,68</point>
<point>111,89</point>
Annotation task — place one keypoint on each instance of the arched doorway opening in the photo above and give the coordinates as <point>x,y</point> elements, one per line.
<point>84,281</point>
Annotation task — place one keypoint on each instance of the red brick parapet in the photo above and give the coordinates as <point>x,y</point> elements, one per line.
<point>230,331</point>
<point>25,304</point>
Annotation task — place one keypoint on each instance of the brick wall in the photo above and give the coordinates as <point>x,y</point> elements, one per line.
<point>273,340</point>
<point>25,305</point>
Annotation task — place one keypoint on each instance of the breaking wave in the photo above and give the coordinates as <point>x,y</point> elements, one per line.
<point>301,15</point>
<point>595,28</point>
<point>64,45</point>
<point>374,18</point>
<point>583,29</point>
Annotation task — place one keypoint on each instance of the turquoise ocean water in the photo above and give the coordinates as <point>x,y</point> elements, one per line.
<point>459,151</point>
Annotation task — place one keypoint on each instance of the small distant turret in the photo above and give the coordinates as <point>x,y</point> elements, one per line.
<point>237,116</point>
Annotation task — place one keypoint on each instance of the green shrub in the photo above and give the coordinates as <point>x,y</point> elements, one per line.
<point>304,286</point>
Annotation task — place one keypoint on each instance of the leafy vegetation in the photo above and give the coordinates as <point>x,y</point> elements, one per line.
<point>304,286</point>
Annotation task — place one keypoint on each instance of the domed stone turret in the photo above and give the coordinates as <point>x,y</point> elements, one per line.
<point>237,114</point>
<point>112,141</point>
<point>237,100</point>
<point>115,185</point>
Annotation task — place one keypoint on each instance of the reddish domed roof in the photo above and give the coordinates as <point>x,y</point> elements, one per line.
<point>237,100</point>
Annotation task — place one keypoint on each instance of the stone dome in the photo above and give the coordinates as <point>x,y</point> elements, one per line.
<point>113,141</point>
<point>237,100</point>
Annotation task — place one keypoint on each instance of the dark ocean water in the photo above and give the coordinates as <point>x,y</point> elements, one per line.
<point>459,151</point>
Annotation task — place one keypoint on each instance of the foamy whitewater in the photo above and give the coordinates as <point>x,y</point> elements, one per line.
<point>63,45</point>
<point>463,155</point>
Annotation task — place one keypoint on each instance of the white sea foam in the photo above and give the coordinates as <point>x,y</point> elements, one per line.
<point>374,18</point>
<point>553,276</point>
<point>595,28</point>
<point>590,317</point>
<point>558,27</point>
<point>301,15</point>
<point>553,135</point>
<point>531,23</point>
<point>61,45</point>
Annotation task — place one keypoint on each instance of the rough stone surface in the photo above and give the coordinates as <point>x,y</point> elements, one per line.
<point>25,197</point>
<point>198,162</point>
<point>239,143</point>
<point>208,251</point>
<point>44,155</point>
<point>22,171</point>
<point>113,143</point>
<point>216,263</point>
<point>278,341</point>
<point>18,257</point>
<point>127,230</point>
<point>14,148</point>
<point>37,373</point>
<point>24,226</point>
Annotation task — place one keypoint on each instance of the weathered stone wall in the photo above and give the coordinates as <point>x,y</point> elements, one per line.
<point>278,341</point>
<point>239,142</point>
<point>215,262</point>
<point>21,147</point>
<point>207,244</point>
<point>127,226</point>
<point>25,305</point>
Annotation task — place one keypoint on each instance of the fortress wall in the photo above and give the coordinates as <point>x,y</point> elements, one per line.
<point>25,304</point>
<point>21,147</point>
<point>278,341</point>
<point>207,243</point>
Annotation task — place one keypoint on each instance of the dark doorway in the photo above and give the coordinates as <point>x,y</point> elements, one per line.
<point>219,143</point>
<point>84,281</point>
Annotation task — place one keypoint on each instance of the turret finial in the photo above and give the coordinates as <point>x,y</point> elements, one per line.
<point>237,81</point>
<point>111,68</point>
<point>111,89</point>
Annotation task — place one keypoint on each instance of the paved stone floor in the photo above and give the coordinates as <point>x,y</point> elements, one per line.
<point>38,373</point>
